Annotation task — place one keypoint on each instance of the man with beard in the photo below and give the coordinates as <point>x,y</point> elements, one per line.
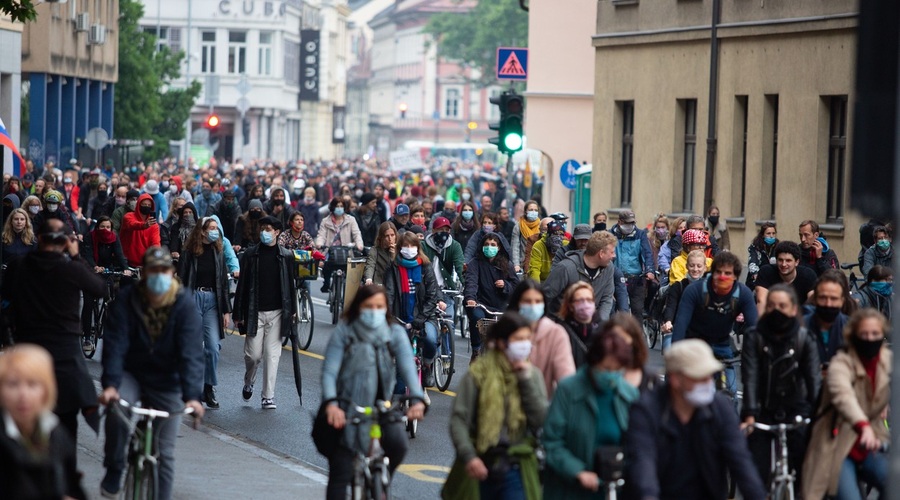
<point>787,270</point>
<point>544,250</point>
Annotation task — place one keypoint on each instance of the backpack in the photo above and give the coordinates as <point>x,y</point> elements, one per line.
<point>732,305</point>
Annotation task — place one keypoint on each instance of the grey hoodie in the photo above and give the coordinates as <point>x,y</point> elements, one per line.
<point>571,270</point>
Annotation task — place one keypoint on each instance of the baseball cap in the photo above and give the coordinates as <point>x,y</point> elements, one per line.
<point>692,358</point>
<point>440,222</point>
<point>28,178</point>
<point>417,229</point>
<point>559,216</point>
<point>158,256</point>
<point>626,216</point>
<point>582,232</point>
<point>402,209</point>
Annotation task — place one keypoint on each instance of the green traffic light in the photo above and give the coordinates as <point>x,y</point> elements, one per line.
<point>513,142</point>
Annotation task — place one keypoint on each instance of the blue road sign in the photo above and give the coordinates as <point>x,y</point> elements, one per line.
<point>512,63</point>
<point>567,173</point>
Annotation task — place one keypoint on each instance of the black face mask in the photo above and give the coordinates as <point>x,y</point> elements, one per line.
<point>827,314</point>
<point>450,214</point>
<point>867,349</point>
<point>600,226</point>
<point>146,210</point>
<point>255,214</point>
<point>441,238</point>
<point>101,195</point>
<point>714,220</point>
<point>277,202</point>
<point>777,322</point>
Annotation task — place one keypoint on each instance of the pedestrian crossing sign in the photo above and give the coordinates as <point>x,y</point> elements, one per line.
<point>512,63</point>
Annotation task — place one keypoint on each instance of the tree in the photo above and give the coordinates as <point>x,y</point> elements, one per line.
<point>472,38</point>
<point>18,10</point>
<point>146,106</point>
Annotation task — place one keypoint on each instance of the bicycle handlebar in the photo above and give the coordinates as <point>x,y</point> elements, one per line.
<point>149,412</point>
<point>729,362</point>
<point>849,265</point>
<point>496,314</point>
<point>799,422</point>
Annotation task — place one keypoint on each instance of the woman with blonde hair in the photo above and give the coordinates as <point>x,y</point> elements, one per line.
<point>18,235</point>
<point>32,205</point>
<point>37,456</point>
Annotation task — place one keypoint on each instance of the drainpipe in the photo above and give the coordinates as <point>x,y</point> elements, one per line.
<point>711,140</point>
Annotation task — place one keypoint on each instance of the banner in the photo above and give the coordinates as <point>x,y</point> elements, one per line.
<point>405,160</point>
<point>309,65</point>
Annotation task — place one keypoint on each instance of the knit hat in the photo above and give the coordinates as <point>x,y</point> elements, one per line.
<point>255,204</point>
<point>53,196</point>
<point>366,198</point>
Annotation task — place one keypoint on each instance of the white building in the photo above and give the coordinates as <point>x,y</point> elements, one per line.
<point>10,84</point>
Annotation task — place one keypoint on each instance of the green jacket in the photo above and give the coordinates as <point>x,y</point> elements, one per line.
<point>541,260</point>
<point>116,217</point>
<point>448,259</point>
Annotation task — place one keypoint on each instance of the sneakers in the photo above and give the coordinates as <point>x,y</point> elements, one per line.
<point>427,376</point>
<point>247,392</point>
<point>111,484</point>
<point>427,399</point>
<point>268,404</point>
<point>325,286</point>
<point>209,396</point>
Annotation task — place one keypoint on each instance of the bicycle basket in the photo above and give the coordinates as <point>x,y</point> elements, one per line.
<point>338,256</point>
<point>484,326</point>
<point>307,267</point>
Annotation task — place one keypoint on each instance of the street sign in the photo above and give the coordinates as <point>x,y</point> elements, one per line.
<point>96,138</point>
<point>242,105</point>
<point>567,173</point>
<point>243,86</point>
<point>512,63</point>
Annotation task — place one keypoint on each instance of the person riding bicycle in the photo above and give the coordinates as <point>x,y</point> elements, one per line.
<point>781,377</point>
<point>761,251</point>
<point>153,353</point>
<point>490,281</point>
<point>827,320</point>
<point>544,251</point>
<point>634,258</point>
<point>362,360</point>
<point>696,268</point>
<point>139,230</point>
<point>879,254</point>
<point>692,239</point>
<point>446,256</point>
<point>524,235</point>
<point>579,316</point>
<point>878,291</point>
<point>18,236</point>
<point>381,255</point>
<point>102,251</point>
<point>413,295</point>
<point>488,222</point>
<point>337,230</point>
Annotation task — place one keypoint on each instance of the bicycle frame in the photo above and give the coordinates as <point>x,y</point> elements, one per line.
<point>782,476</point>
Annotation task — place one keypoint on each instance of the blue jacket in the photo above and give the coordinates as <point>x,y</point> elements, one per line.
<point>633,253</point>
<point>174,362</point>
<point>203,203</point>
<point>231,259</point>
<point>697,318</point>
<point>162,206</point>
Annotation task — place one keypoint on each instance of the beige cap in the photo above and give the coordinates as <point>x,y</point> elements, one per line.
<point>693,358</point>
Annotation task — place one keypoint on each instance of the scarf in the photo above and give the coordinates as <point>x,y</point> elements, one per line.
<point>155,318</point>
<point>529,229</point>
<point>410,276</point>
<point>467,225</point>
<point>499,402</point>
<point>99,237</point>
<point>184,230</point>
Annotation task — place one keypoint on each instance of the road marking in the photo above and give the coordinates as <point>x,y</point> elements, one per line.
<point>418,472</point>
<point>445,393</point>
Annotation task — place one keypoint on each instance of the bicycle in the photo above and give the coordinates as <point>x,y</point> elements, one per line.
<point>782,478</point>
<point>412,426</point>
<point>484,324</point>
<point>141,481</point>
<point>458,304</point>
<point>337,257</point>
<point>853,279</point>
<point>304,321</point>
<point>90,340</point>
<point>445,362</point>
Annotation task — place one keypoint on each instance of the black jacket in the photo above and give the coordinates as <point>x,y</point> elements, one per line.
<point>173,362</point>
<point>717,444</point>
<point>580,336</point>
<point>368,226</point>
<point>228,216</point>
<point>187,271</point>
<point>481,275</point>
<point>52,475</point>
<point>246,297</point>
<point>781,375</point>
<point>111,255</point>
<point>427,294</point>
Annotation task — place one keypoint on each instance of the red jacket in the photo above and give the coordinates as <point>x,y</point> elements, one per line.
<point>135,237</point>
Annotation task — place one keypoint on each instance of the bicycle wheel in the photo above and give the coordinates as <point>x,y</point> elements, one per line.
<point>141,482</point>
<point>337,302</point>
<point>782,491</point>
<point>463,322</point>
<point>305,322</point>
<point>295,361</point>
<point>445,362</point>
<point>651,331</point>
<point>380,489</point>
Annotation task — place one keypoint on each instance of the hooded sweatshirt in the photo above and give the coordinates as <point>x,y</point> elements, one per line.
<point>136,237</point>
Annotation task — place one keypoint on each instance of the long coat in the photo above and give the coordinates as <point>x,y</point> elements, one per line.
<point>847,398</point>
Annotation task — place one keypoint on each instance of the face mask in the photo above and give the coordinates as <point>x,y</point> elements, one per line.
<point>101,195</point>
<point>52,207</point>
<point>94,184</point>
<point>146,210</point>
<point>159,283</point>
<point>409,253</point>
<point>418,220</point>
<point>173,189</point>
<point>441,239</point>
<point>449,214</point>
<point>518,351</point>
<point>714,220</point>
<point>256,214</point>
<point>278,202</point>
<point>488,228</point>
<point>584,311</point>
<point>883,245</point>
<point>490,252</point>
<point>212,236</point>
<point>867,349</point>
<point>467,214</point>
<point>339,211</point>
<point>556,240</point>
<point>456,185</point>
<point>132,204</point>
<point>34,209</point>
<point>600,226</point>
<point>466,196</point>
<point>266,238</point>
<point>531,215</point>
<point>358,193</point>
<point>206,192</point>
<point>769,240</point>
<point>532,312</point>
<point>187,219</point>
<point>723,284</point>
<point>778,322</point>
<point>310,199</point>
<point>67,181</point>
<point>120,201</point>
<point>373,318</point>
<point>701,395</point>
<point>662,233</point>
<point>626,228</point>
<point>882,288</point>
<point>827,314</point>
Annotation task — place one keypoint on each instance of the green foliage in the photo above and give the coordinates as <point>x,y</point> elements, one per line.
<point>19,10</point>
<point>146,108</point>
<point>473,37</point>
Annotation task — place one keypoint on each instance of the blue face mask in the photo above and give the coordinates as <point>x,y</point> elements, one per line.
<point>213,236</point>
<point>769,240</point>
<point>266,238</point>
<point>159,283</point>
<point>339,211</point>
<point>532,312</point>
<point>490,252</point>
<point>882,288</point>
<point>373,318</point>
<point>467,214</point>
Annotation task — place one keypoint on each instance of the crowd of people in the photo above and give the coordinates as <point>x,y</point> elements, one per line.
<point>563,370</point>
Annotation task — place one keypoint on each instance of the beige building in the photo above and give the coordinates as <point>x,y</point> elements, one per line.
<point>560,95</point>
<point>782,137</point>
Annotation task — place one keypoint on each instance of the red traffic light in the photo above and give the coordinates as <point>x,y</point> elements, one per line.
<point>212,121</point>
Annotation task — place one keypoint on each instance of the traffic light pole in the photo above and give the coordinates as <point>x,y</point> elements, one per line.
<point>510,187</point>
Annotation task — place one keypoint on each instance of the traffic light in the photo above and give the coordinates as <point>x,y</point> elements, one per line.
<point>510,133</point>
<point>212,123</point>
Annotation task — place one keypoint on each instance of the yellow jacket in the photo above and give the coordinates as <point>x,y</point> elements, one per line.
<point>541,260</point>
<point>678,269</point>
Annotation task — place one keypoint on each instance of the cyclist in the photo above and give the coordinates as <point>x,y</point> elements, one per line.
<point>500,403</point>
<point>309,207</point>
<point>447,260</point>
<point>466,225</point>
<point>264,308</point>
<point>165,227</point>
<point>18,236</point>
<point>490,280</point>
<point>593,265</point>
<point>816,252</point>
<point>381,255</point>
<point>761,251</point>
<point>148,358</point>
<point>413,295</point>
<point>847,436</point>
<point>787,270</point>
<point>139,231</point>
<point>717,229</point>
<point>246,230</point>
<point>337,230</point>
<point>101,250</point>
<point>671,248</point>
<point>578,314</point>
<point>544,251</point>
<point>634,258</point>
<point>692,239</point>
<point>525,234</point>
<point>878,291</point>
<point>781,376</point>
<point>488,225</point>
<point>879,254</point>
<point>181,228</point>
<point>696,267</point>
<point>827,320</point>
<point>368,219</point>
<point>363,356</point>
<point>296,238</point>
<point>129,205</point>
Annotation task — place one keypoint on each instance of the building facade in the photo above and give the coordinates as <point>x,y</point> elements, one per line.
<point>10,85</point>
<point>779,146</point>
<point>70,59</point>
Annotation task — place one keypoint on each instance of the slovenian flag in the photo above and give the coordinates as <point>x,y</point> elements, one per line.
<point>6,141</point>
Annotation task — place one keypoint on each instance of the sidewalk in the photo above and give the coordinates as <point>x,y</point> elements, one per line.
<point>212,464</point>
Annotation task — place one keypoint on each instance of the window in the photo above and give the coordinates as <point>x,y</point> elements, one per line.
<point>208,52</point>
<point>627,116</point>
<point>739,154</point>
<point>688,108</point>
<point>237,52</point>
<point>168,37</point>
<point>770,156</point>
<point>292,62</point>
<point>452,100</point>
<point>837,154</point>
<point>265,53</point>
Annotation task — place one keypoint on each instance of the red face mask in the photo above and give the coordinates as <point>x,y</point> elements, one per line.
<point>419,220</point>
<point>723,284</point>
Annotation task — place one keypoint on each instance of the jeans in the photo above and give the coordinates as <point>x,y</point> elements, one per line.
<point>451,307</point>
<point>506,488</point>
<point>872,470</point>
<point>209,316</point>
<point>166,430</point>
<point>340,464</point>
<point>637,294</point>
<point>428,345</point>
<point>475,314</point>
<point>666,342</point>
<point>724,351</point>
<point>264,347</point>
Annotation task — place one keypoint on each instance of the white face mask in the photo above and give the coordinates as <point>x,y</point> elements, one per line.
<point>701,395</point>
<point>409,253</point>
<point>518,350</point>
